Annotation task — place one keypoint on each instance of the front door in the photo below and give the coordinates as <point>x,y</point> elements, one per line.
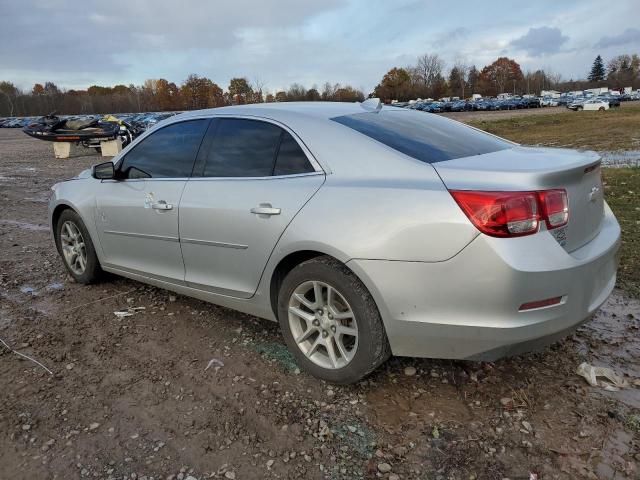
<point>254,180</point>
<point>137,214</point>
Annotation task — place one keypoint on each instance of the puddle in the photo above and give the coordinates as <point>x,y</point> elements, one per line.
<point>37,199</point>
<point>28,289</point>
<point>55,286</point>
<point>25,225</point>
<point>623,158</point>
<point>611,339</point>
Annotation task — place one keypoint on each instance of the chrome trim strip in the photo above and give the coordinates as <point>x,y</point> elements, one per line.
<point>270,177</point>
<point>143,235</point>
<point>214,244</point>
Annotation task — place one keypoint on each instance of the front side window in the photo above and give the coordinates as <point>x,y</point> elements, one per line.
<point>425,137</point>
<point>167,153</point>
<point>253,148</point>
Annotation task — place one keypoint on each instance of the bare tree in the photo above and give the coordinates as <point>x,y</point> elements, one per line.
<point>258,85</point>
<point>463,68</point>
<point>429,68</point>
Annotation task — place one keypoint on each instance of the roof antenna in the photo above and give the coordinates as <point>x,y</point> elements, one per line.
<point>372,105</point>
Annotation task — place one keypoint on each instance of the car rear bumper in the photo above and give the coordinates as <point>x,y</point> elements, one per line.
<point>468,306</point>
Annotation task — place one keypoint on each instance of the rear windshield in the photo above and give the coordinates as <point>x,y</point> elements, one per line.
<point>423,136</point>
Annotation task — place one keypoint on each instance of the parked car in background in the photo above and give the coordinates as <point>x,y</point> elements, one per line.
<point>576,104</point>
<point>612,100</point>
<point>363,230</point>
<point>595,104</point>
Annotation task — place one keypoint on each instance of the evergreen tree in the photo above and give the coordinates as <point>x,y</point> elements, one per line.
<point>597,70</point>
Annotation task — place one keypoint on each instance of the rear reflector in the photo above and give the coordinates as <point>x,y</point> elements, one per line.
<point>513,214</point>
<point>540,303</point>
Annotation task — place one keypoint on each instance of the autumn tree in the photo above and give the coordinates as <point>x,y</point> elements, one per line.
<point>240,90</point>
<point>500,76</point>
<point>38,89</point>
<point>313,95</point>
<point>166,95</point>
<point>395,85</point>
<point>200,92</point>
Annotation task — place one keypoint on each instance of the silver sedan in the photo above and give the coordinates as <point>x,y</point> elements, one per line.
<point>364,230</point>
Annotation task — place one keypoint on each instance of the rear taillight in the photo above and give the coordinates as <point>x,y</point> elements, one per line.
<point>555,206</point>
<point>513,214</point>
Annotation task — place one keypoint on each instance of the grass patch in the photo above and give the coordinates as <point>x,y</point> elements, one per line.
<point>622,191</point>
<point>614,129</point>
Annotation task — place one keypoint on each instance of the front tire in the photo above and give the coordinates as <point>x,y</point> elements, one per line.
<point>330,322</point>
<point>76,248</point>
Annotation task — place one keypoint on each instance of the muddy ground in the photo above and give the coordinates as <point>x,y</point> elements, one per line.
<point>132,397</point>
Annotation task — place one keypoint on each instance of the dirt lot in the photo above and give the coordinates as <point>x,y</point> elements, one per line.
<point>132,397</point>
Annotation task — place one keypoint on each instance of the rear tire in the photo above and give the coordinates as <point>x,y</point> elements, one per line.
<point>76,248</point>
<point>313,333</point>
<point>602,109</point>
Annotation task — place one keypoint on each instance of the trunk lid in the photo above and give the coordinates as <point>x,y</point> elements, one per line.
<point>528,169</point>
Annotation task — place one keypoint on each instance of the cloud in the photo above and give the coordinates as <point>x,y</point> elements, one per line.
<point>630,35</point>
<point>450,36</point>
<point>540,41</point>
<point>95,36</point>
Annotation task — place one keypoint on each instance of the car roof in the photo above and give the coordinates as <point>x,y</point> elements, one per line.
<point>318,110</point>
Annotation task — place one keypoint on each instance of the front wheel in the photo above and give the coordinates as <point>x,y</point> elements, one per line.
<point>601,109</point>
<point>76,248</point>
<point>330,321</point>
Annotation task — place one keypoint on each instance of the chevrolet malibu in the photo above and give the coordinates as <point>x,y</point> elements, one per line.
<point>363,230</point>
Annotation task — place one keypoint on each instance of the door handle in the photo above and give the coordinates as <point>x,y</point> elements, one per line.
<point>265,209</point>
<point>162,205</point>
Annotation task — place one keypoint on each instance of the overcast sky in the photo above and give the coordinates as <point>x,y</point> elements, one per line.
<point>79,43</point>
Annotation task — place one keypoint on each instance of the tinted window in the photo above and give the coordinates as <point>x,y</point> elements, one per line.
<point>242,148</point>
<point>169,152</point>
<point>425,137</point>
<point>291,159</point>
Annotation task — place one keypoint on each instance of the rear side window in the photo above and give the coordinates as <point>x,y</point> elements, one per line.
<point>252,148</point>
<point>242,148</point>
<point>425,137</point>
<point>167,153</point>
<point>291,159</point>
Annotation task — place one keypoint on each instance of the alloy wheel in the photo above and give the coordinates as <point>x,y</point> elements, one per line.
<point>323,324</point>
<point>73,248</point>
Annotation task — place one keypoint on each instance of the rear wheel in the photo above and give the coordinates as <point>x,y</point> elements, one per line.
<point>601,109</point>
<point>330,321</point>
<point>76,248</point>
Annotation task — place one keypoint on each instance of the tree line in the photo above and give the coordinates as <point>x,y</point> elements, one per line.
<point>429,77</point>
<point>156,95</point>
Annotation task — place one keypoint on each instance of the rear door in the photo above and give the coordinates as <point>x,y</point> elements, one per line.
<point>254,177</point>
<point>137,215</point>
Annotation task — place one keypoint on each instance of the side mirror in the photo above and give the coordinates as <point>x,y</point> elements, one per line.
<point>104,171</point>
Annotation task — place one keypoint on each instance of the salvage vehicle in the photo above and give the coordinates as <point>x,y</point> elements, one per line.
<point>364,230</point>
<point>594,104</point>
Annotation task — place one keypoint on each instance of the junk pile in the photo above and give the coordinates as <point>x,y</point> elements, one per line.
<point>88,132</point>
